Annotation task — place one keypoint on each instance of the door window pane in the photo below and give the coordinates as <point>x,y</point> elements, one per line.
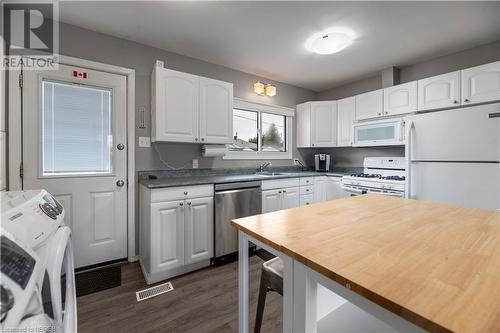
<point>76,129</point>
<point>273,132</point>
<point>244,130</point>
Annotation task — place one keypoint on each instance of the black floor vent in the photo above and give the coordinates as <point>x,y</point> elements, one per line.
<point>97,279</point>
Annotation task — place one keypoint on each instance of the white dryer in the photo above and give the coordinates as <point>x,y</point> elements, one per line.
<point>37,270</point>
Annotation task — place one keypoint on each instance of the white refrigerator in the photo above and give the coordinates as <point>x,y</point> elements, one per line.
<point>453,156</point>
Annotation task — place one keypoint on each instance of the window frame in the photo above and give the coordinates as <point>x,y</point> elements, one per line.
<point>265,155</point>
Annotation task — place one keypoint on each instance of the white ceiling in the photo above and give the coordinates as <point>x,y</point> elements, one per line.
<point>267,38</point>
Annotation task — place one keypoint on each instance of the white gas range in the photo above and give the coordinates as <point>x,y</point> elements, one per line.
<point>381,175</point>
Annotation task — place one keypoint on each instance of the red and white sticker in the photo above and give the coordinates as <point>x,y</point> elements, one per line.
<point>80,75</point>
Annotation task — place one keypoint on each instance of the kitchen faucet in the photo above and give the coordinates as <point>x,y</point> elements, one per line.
<point>263,166</point>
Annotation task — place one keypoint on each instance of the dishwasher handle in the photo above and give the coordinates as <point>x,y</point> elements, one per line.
<point>239,190</point>
<point>237,186</point>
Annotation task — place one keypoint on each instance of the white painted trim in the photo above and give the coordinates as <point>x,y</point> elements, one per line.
<point>261,107</point>
<point>15,147</point>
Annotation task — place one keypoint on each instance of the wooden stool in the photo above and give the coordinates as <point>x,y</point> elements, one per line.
<point>271,279</point>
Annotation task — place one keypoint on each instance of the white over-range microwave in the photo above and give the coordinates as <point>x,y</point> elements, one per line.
<point>386,132</point>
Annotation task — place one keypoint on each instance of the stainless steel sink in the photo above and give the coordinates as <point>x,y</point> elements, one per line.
<point>269,174</point>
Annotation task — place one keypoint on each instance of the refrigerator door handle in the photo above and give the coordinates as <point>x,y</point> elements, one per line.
<point>409,126</point>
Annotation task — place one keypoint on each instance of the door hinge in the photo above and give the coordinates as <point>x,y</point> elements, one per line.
<point>21,81</point>
<point>21,170</point>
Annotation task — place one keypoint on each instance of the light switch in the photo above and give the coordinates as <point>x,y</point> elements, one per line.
<point>144,141</point>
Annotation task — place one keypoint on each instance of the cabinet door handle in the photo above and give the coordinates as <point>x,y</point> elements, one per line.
<point>202,139</point>
<point>195,139</point>
<point>307,190</point>
<point>189,203</point>
<point>284,191</point>
<point>279,192</point>
<point>185,193</point>
<point>494,115</point>
<point>181,204</point>
<point>466,100</point>
<point>455,102</point>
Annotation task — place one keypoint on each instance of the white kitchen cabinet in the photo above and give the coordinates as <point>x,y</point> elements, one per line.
<point>190,108</point>
<point>278,199</point>
<point>198,229</point>
<point>320,189</point>
<point>306,200</point>
<point>437,92</point>
<point>334,188</point>
<point>271,200</point>
<point>303,119</point>
<point>317,124</point>
<point>324,124</point>
<point>167,235</point>
<point>400,99</point>
<point>481,84</point>
<point>175,106</point>
<point>370,105</point>
<point>176,230</point>
<point>290,198</point>
<point>346,109</point>
<point>216,111</point>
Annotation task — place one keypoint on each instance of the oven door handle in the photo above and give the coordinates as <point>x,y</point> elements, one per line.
<point>352,190</point>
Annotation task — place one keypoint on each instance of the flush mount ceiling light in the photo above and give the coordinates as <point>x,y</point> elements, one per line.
<point>330,41</point>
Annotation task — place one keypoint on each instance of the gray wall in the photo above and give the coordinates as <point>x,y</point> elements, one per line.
<point>89,45</point>
<point>472,57</point>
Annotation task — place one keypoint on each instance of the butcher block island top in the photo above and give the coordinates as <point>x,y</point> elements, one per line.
<point>436,265</point>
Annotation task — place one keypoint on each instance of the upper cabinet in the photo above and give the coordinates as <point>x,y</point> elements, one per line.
<point>442,91</point>
<point>481,83</point>
<point>324,124</point>
<point>400,99</point>
<point>317,124</point>
<point>190,108</point>
<point>175,106</point>
<point>303,117</point>
<point>216,111</point>
<point>346,109</point>
<point>370,105</point>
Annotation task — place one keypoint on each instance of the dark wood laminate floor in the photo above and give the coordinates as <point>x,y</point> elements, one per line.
<point>202,301</point>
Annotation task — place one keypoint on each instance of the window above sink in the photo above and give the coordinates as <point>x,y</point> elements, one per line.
<point>261,131</point>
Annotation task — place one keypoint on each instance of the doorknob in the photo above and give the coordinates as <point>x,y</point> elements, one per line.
<point>120,183</point>
<point>120,146</point>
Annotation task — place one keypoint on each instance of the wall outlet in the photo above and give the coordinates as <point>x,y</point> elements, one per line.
<point>195,164</point>
<point>144,141</point>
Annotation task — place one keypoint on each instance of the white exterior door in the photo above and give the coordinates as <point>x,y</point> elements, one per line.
<point>481,84</point>
<point>324,124</point>
<point>198,230</point>
<point>74,146</point>
<point>291,198</point>
<point>177,100</point>
<point>216,111</point>
<point>442,91</point>
<point>167,235</point>
<point>271,201</point>
<point>400,99</point>
<point>346,109</point>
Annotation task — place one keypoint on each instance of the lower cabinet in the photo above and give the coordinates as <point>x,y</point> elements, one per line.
<point>176,231</point>
<point>320,189</point>
<point>277,199</point>
<point>334,188</point>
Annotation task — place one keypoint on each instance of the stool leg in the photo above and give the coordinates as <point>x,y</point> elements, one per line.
<point>261,302</point>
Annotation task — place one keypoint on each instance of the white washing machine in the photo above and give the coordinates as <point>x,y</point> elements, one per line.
<point>37,270</point>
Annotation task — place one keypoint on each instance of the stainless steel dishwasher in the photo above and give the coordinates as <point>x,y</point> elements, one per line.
<point>233,200</point>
